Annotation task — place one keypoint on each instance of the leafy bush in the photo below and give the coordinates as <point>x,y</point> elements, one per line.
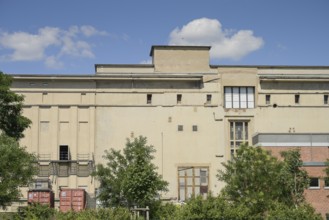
<point>282,212</point>
<point>163,211</point>
<point>35,212</point>
<point>101,214</point>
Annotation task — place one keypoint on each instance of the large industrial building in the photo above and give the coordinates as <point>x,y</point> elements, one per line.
<point>195,115</point>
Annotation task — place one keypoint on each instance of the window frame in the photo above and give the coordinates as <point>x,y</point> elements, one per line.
<point>314,187</point>
<point>325,99</point>
<point>179,98</point>
<point>326,183</point>
<point>234,142</point>
<point>208,99</point>
<point>239,97</point>
<point>64,154</point>
<point>297,99</point>
<point>189,179</point>
<point>149,99</point>
<point>268,99</point>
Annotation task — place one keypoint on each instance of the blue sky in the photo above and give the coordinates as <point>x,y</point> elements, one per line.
<point>70,36</point>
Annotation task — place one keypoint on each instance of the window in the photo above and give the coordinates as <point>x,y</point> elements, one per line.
<point>149,98</point>
<point>180,127</point>
<point>325,99</point>
<point>208,99</point>
<point>179,98</point>
<point>314,183</point>
<point>238,135</point>
<point>268,99</point>
<point>192,181</point>
<point>63,152</point>
<point>297,99</point>
<point>239,97</point>
<point>326,182</point>
<point>194,128</point>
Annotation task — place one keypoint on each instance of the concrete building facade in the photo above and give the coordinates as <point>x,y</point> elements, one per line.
<point>195,115</point>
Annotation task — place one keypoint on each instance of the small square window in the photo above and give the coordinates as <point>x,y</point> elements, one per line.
<point>297,99</point>
<point>180,127</point>
<point>208,99</point>
<point>149,99</point>
<point>268,99</point>
<point>179,98</point>
<point>325,99</point>
<point>314,183</point>
<point>194,128</point>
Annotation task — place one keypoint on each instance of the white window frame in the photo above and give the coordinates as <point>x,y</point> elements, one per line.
<point>239,97</point>
<point>315,187</point>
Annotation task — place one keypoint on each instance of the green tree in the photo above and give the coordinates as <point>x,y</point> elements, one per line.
<point>294,179</point>
<point>17,168</point>
<point>129,177</point>
<point>256,179</point>
<point>280,211</point>
<point>12,122</point>
<point>252,178</point>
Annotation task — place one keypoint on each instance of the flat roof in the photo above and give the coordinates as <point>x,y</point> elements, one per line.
<point>178,47</point>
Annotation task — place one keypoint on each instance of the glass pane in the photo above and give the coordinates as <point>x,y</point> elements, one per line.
<point>231,131</point>
<point>196,171</point>
<point>314,182</point>
<point>250,94</point>
<point>203,177</point>
<point>236,97</point>
<point>326,182</point>
<point>250,97</point>
<point>243,94</point>
<point>189,171</point>
<point>232,153</point>
<point>228,97</point>
<point>246,130</point>
<point>243,104</point>
<point>181,172</point>
<point>181,182</point>
<point>182,194</point>
<point>189,181</point>
<point>238,131</point>
<point>251,104</point>
<point>197,190</point>
<point>197,181</point>
<point>190,192</point>
<point>238,143</point>
<point>232,144</point>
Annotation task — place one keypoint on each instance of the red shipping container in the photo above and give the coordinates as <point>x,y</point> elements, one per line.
<point>43,197</point>
<point>72,199</point>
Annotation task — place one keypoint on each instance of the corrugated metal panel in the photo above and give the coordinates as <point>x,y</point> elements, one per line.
<point>43,197</point>
<point>72,199</point>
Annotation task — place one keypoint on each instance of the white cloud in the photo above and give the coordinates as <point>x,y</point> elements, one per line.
<point>29,47</point>
<point>53,63</point>
<point>89,31</point>
<point>225,44</point>
<point>49,44</point>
